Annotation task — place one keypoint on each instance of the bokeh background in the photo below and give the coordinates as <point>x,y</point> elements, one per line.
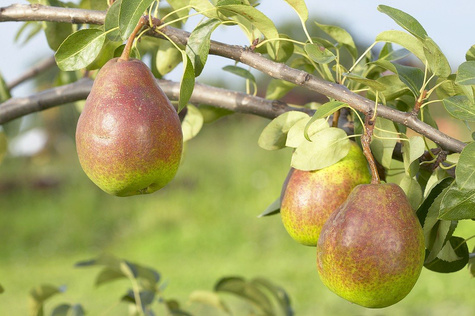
<point>204,225</point>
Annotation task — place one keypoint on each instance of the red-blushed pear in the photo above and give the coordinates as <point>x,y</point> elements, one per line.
<point>371,249</point>
<point>309,197</point>
<point>128,138</point>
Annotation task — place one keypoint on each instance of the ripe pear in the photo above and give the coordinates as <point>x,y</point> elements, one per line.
<point>309,197</point>
<point>371,250</point>
<point>128,138</point>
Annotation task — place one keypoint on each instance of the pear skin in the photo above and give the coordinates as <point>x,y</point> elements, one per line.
<point>309,197</point>
<point>371,250</point>
<point>128,138</point>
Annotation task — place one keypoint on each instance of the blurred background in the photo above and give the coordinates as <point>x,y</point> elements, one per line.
<point>204,224</point>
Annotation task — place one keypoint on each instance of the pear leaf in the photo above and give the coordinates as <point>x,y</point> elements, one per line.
<point>412,189</point>
<point>130,13</point>
<point>466,73</point>
<point>296,135</point>
<point>326,148</point>
<point>465,171</point>
<point>341,36</point>
<point>405,20</point>
<point>272,209</point>
<point>198,44</point>
<point>300,7</point>
<point>460,107</point>
<point>457,204</point>
<point>319,54</point>
<point>187,82</point>
<point>192,123</point>
<point>278,88</point>
<point>384,141</point>
<point>405,40</point>
<point>453,257</point>
<point>274,135</point>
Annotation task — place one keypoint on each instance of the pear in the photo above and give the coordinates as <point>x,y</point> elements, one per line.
<point>128,138</point>
<point>371,249</point>
<point>309,197</point>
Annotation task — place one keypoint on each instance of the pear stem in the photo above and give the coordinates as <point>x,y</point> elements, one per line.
<point>365,142</point>
<point>128,46</point>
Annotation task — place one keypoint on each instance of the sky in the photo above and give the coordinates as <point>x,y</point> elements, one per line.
<point>449,23</point>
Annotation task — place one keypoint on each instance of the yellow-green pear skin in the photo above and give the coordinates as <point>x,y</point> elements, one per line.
<point>309,197</point>
<point>128,137</point>
<point>371,249</point>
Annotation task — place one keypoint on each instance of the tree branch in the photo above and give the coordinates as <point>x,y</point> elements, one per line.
<point>33,72</point>
<point>202,94</point>
<point>257,61</point>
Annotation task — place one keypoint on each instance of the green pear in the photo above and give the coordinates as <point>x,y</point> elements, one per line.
<point>309,197</point>
<point>371,250</point>
<point>128,138</point>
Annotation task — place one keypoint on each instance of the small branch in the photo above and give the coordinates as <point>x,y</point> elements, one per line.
<point>248,57</point>
<point>33,72</point>
<point>365,143</point>
<point>202,94</point>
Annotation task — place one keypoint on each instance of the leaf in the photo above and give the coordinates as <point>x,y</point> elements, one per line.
<point>470,55</point>
<point>111,22</point>
<point>167,58</point>
<point>134,53</point>
<point>68,310</point>
<point>192,123</point>
<point>471,263</point>
<point>373,84</point>
<point>209,299</point>
<point>405,20</point>
<point>56,33</point>
<point>274,135</point>
<point>80,49</point>
<point>2,290</point>
<point>204,7</point>
<point>319,54</point>
<point>341,36</point>
<point>108,275</point>
<point>394,87</point>
<point>465,171</point>
<point>106,53</point>
<point>197,47</point>
<point>241,72</point>
<point>38,295</point>
<point>279,295</point>
<point>187,82</point>
<point>241,288</point>
<point>278,88</point>
<point>438,63</point>
<point>327,147</point>
<point>413,190</point>
<point>272,209</point>
<point>405,40</point>
<point>466,73</point>
<point>180,4</point>
<point>436,190</point>
<point>457,204</point>
<point>453,257</point>
<point>280,50</point>
<point>254,16</point>
<point>303,130</point>
<point>460,107</point>
<point>4,91</point>
<point>383,142</point>
<point>328,109</point>
<point>300,7</point>
<point>130,13</point>
<point>411,151</point>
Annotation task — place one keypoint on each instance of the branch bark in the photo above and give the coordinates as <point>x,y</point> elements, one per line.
<point>257,61</point>
<point>202,94</point>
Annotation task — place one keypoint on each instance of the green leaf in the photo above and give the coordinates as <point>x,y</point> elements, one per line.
<point>108,275</point>
<point>111,22</point>
<point>192,123</point>
<point>413,77</point>
<point>395,88</point>
<point>4,91</point>
<point>405,20</point>
<point>209,299</point>
<point>33,27</point>
<point>438,63</point>
<point>241,72</point>
<point>460,107</point>
<point>471,264</point>
<point>38,295</point>
<point>435,191</point>
<point>2,290</point>
<point>465,171</point>
<point>341,36</point>
<point>198,44</point>
<point>254,16</point>
<point>272,209</point>
<point>466,73</point>
<point>211,113</point>
<point>205,7</point>
<point>328,109</point>
<point>274,135</point>
<point>280,50</point>
<point>167,57</point>
<point>439,235</point>
<point>130,13</point>
<point>56,33</point>
<point>80,49</point>
<point>134,53</point>
<point>180,4</point>
<point>187,82</point>
<point>413,190</point>
<point>68,310</point>
<point>470,55</point>
<point>319,54</point>
<point>303,130</point>
<point>405,40</point>
<point>373,84</point>
<point>457,204</point>
<point>300,7</point>
<point>278,294</point>
<point>383,142</point>
<point>278,88</point>
<point>326,148</point>
<point>246,290</point>
<point>453,257</point>
<point>106,53</point>
<point>411,151</point>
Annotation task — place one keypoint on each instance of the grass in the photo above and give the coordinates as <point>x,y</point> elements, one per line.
<point>201,227</point>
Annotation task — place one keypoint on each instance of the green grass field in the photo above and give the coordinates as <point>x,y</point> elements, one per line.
<point>201,227</point>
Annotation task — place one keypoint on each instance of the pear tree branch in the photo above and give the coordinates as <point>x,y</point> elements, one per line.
<point>276,70</point>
